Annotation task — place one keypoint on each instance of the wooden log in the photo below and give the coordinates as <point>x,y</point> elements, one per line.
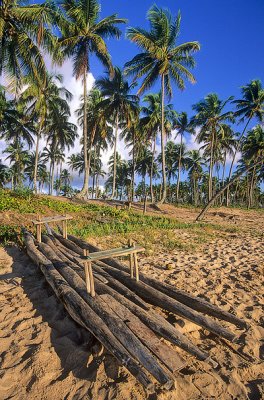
<point>115,284</point>
<point>84,315</point>
<point>159,299</point>
<point>131,260</point>
<point>167,355</point>
<point>115,324</point>
<point>188,299</point>
<point>153,320</point>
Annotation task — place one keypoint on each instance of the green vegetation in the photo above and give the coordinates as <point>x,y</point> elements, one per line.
<point>94,221</point>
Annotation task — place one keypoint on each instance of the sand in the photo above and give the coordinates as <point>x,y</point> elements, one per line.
<point>44,354</point>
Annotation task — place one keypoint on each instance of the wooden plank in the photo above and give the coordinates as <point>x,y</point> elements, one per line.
<point>120,251</point>
<point>56,218</point>
<point>166,354</point>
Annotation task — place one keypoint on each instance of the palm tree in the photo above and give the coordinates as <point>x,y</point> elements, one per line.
<point>18,158</point>
<point>253,152</point>
<point>5,175</point>
<point>82,36</point>
<point>118,104</point>
<point>195,163</point>
<point>250,106</point>
<point>24,29</point>
<point>210,120</point>
<point>30,166</point>
<point>97,123</point>
<point>182,124</point>
<point>42,99</point>
<point>143,165</point>
<point>13,124</point>
<point>161,58</point>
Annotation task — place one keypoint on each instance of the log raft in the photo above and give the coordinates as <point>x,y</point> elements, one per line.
<point>119,312</point>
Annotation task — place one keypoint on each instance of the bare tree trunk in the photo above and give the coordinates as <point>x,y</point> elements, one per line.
<point>114,171</point>
<point>84,192</point>
<point>133,168</point>
<point>211,202</point>
<point>179,171</point>
<point>164,184</point>
<point>151,170</point>
<point>36,160</point>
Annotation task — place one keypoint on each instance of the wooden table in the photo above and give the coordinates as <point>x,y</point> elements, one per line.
<point>57,218</point>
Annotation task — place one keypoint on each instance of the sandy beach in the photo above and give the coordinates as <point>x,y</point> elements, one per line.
<point>45,355</point>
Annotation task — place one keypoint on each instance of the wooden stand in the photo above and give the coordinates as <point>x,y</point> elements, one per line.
<point>40,221</point>
<point>131,250</point>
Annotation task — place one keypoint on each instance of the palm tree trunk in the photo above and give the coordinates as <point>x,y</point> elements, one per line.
<point>251,188</point>
<point>234,157</point>
<point>52,177</point>
<point>208,205</point>
<point>84,192</point>
<point>133,168</point>
<point>179,171</point>
<point>164,185</point>
<point>151,170</point>
<point>210,180</point>
<point>96,186</point>
<point>114,170</point>
<point>36,160</point>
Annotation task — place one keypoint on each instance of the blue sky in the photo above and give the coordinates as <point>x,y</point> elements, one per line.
<point>231,34</point>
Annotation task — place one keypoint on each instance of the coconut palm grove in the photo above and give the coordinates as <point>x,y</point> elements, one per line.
<point>127,113</point>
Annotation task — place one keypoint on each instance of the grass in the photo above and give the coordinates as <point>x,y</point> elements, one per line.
<point>95,221</point>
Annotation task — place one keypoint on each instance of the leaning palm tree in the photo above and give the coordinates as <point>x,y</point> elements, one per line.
<point>82,36</point>
<point>118,104</point>
<point>182,124</point>
<point>210,117</point>
<point>161,58</point>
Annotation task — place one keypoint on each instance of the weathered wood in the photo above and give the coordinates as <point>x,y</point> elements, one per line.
<point>115,284</point>
<point>84,315</point>
<point>154,321</point>
<point>131,260</point>
<point>118,252</point>
<point>167,355</point>
<point>188,299</point>
<point>159,299</point>
<point>115,324</point>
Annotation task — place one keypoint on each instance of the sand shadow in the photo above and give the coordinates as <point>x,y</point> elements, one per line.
<point>72,343</point>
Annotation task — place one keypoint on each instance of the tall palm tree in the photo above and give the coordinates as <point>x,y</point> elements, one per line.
<point>253,151</point>
<point>182,124</point>
<point>250,106</point>
<point>82,36</point>
<point>161,58</point>
<point>151,124</point>
<point>97,123</point>
<point>25,31</point>
<point>195,163</point>
<point>210,117</point>
<point>143,165</point>
<point>42,98</point>
<point>119,104</point>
